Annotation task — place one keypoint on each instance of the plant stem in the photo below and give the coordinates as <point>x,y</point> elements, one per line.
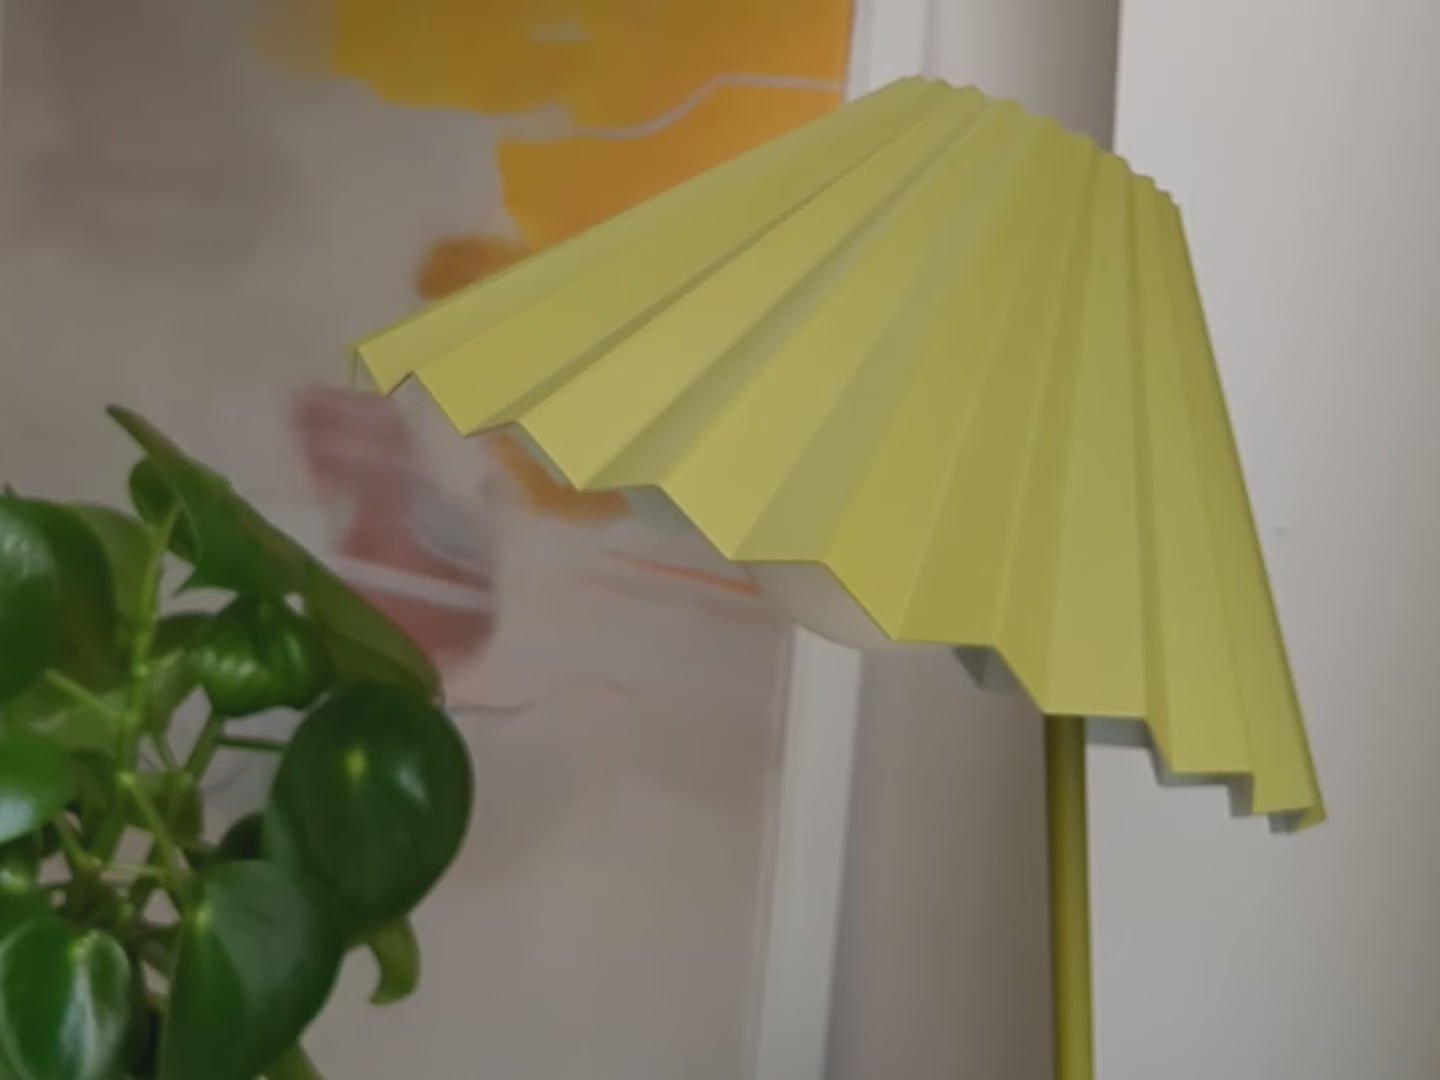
<point>260,746</point>
<point>158,955</point>
<point>160,829</point>
<point>196,762</point>
<point>166,754</point>
<point>210,739</point>
<point>144,638</point>
<point>81,696</point>
<point>107,838</point>
<point>81,862</point>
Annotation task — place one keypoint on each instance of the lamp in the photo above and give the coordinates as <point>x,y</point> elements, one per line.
<point>936,370</point>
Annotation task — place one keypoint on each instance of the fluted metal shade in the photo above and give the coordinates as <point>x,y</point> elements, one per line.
<point>946,354</point>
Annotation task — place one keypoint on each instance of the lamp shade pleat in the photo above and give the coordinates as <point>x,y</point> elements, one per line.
<point>947,354</point>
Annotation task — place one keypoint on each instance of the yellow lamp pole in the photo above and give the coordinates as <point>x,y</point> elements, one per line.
<point>1069,897</point>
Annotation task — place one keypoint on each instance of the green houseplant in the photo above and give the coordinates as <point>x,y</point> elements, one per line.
<point>135,944</point>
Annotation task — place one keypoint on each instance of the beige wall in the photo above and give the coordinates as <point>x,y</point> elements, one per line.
<point>1300,138</point>
<point>943,962</point>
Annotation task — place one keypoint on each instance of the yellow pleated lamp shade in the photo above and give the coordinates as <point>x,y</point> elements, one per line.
<point>946,357</point>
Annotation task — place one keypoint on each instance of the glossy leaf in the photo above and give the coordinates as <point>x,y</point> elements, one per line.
<point>397,954</point>
<point>172,675</point>
<point>178,632</point>
<point>142,1041</point>
<point>36,782</point>
<point>154,499</point>
<point>30,609</point>
<point>85,638</point>
<point>20,863</point>
<point>364,642</point>
<point>20,900</point>
<point>225,538</point>
<point>65,999</point>
<point>172,680</point>
<point>125,543</point>
<point>18,908</point>
<point>293,1065</point>
<point>76,725</point>
<point>258,654</point>
<point>93,724</point>
<point>371,800</point>
<point>257,960</point>
<point>243,840</point>
<point>86,634</point>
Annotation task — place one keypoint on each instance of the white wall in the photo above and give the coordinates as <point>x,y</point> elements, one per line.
<point>1301,139</point>
<point>1053,56</point>
<point>943,967</point>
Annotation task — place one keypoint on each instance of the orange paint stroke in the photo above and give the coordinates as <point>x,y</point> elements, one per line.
<point>685,573</point>
<point>747,614</point>
<point>607,101</point>
<point>604,104</point>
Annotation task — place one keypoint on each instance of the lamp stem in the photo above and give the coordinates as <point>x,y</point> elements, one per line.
<point>1069,897</point>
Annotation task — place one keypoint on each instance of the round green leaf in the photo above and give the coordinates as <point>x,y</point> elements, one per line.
<point>64,1001</point>
<point>86,637</point>
<point>93,722</point>
<point>258,654</point>
<point>371,800</point>
<point>87,631</point>
<point>19,904</point>
<point>29,600</point>
<point>256,963</point>
<point>36,782</point>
